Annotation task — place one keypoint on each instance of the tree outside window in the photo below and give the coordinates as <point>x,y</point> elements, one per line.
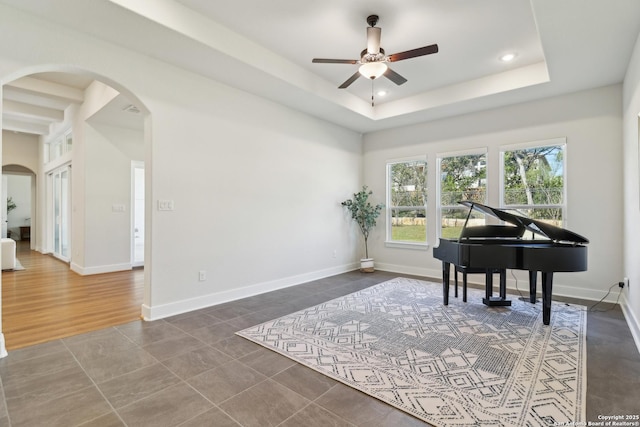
<point>533,182</point>
<point>407,201</point>
<point>462,177</point>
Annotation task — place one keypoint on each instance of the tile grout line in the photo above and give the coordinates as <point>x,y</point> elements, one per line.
<point>4,398</point>
<point>96,387</point>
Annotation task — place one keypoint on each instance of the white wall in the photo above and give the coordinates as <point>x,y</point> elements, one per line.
<point>256,189</point>
<point>591,123</point>
<point>108,152</point>
<point>631,107</point>
<point>256,186</point>
<point>20,149</point>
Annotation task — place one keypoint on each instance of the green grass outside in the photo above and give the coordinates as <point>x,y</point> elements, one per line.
<point>409,233</point>
<point>416,233</point>
<point>451,232</point>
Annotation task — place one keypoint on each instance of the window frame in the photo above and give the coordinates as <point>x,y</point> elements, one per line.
<point>536,144</point>
<point>58,146</point>
<point>439,157</point>
<point>389,242</point>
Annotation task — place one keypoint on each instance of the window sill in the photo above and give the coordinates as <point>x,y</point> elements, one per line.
<point>407,245</point>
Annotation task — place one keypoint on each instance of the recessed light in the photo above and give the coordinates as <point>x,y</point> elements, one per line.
<point>382,92</point>
<point>508,57</point>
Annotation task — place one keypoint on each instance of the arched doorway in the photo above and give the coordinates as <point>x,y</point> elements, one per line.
<point>18,186</point>
<point>75,136</point>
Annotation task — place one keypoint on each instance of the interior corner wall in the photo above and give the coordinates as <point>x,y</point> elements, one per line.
<point>256,186</point>
<point>591,122</point>
<point>92,257</point>
<point>631,126</point>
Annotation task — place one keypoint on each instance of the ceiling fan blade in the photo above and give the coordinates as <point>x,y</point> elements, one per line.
<point>349,81</point>
<point>421,51</point>
<point>334,61</point>
<point>394,77</point>
<point>373,40</point>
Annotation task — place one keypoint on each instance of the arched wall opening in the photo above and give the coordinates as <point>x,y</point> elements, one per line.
<point>19,189</point>
<point>91,122</point>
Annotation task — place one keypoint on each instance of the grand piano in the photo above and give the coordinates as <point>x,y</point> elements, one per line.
<point>492,249</point>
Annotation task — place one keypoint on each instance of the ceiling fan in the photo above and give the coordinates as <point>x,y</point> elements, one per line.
<point>373,61</point>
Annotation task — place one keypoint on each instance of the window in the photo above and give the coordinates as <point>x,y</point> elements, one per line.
<point>59,147</point>
<point>533,180</point>
<point>462,177</point>
<point>69,142</point>
<point>407,202</point>
<point>56,149</point>
<point>47,155</point>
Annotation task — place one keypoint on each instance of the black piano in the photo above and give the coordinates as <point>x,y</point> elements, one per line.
<point>490,249</point>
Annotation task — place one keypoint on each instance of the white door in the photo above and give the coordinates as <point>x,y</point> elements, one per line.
<point>5,217</point>
<point>137,214</point>
<point>61,202</point>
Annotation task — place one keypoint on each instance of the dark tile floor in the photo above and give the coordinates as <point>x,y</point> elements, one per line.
<point>191,370</point>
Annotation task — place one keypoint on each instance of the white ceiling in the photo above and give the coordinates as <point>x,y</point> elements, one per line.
<point>32,104</point>
<point>266,47</point>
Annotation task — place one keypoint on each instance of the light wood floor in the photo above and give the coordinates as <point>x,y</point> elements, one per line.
<point>48,301</point>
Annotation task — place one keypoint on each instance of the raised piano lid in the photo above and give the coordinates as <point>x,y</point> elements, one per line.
<point>551,232</point>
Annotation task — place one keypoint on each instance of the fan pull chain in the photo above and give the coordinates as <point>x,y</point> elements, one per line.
<point>372,104</point>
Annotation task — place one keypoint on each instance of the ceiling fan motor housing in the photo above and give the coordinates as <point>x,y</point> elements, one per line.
<point>368,57</point>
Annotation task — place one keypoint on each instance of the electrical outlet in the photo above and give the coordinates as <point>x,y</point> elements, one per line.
<point>202,275</point>
<point>626,282</point>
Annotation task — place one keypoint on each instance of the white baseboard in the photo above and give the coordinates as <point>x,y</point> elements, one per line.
<point>632,321</point>
<point>171,309</point>
<point>86,271</point>
<point>414,271</point>
<point>522,284</point>
<point>3,347</point>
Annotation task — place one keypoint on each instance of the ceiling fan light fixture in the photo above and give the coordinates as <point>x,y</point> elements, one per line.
<point>373,70</point>
<point>373,60</point>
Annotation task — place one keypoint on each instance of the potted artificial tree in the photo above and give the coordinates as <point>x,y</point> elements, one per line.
<point>364,214</point>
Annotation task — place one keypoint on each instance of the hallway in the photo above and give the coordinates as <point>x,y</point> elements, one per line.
<point>48,301</point>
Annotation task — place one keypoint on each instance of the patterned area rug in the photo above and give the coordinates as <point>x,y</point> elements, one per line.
<point>461,365</point>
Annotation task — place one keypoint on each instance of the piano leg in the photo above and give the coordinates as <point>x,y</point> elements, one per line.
<point>464,286</point>
<point>445,282</point>
<point>533,279</point>
<point>503,284</point>
<point>489,299</point>
<point>547,282</point>
<point>488,287</point>
<point>455,272</point>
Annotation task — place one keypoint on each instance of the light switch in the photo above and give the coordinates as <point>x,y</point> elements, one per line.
<point>165,205</point>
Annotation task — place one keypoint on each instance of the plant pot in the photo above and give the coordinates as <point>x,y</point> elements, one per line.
<point>366,265</point>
